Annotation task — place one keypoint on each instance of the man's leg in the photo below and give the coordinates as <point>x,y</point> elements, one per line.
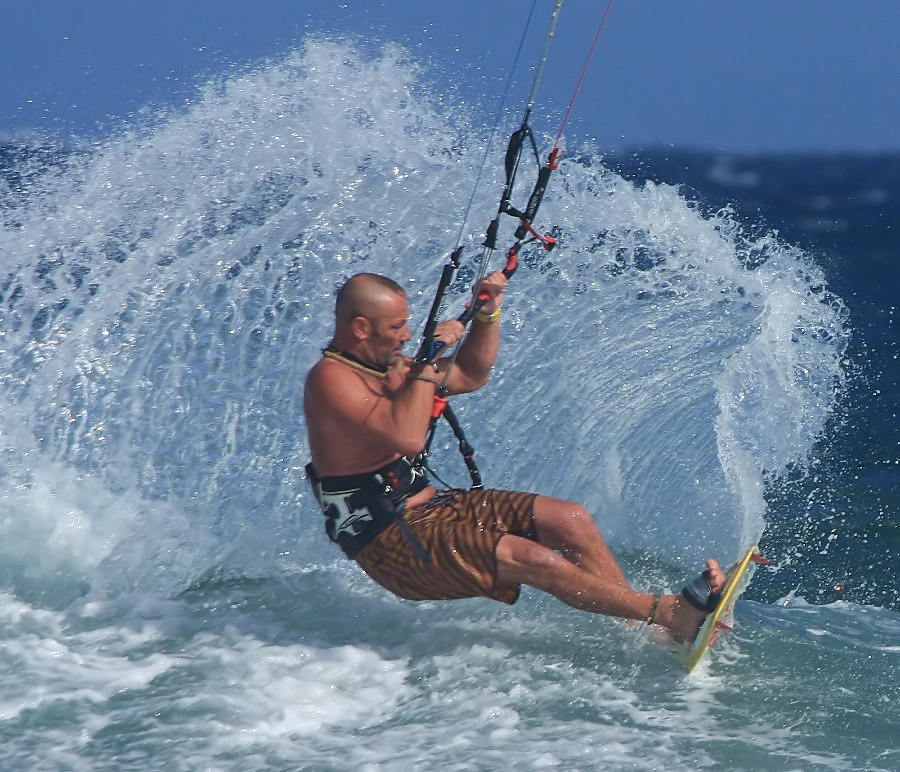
<point>586,575</point>
<point>568,528</point>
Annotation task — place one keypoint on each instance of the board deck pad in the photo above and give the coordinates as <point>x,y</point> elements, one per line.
<point>722,619</point>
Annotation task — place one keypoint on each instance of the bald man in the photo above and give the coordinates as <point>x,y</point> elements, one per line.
<point>368,409</point>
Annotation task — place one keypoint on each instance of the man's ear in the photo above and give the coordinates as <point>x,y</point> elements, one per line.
<point>361,327</point>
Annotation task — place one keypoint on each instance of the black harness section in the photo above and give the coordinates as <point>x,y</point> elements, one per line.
<point>358,507</point>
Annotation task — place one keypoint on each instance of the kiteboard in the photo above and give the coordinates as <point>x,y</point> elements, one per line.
<point>722,619</point>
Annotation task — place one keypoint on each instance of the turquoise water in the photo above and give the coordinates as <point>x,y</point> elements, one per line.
<point>169,599</point>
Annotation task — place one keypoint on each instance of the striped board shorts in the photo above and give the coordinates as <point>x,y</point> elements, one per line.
<point>460,531</point>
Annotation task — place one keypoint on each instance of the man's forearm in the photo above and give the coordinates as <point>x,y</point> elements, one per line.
<point>479,350</point>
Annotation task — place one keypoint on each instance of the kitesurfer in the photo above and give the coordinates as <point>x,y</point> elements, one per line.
<point>367,410</point>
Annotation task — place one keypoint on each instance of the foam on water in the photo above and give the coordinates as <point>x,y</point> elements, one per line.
<point>168,588</point>
<point>245,676</point>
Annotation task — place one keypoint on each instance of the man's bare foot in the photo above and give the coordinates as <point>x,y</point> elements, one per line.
<point>679,617</point>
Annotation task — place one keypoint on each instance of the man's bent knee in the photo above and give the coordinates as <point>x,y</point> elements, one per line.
<point>522,561</point>
<point>563,523</point>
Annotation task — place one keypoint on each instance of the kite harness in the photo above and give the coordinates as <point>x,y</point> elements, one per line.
<point>359,507</point>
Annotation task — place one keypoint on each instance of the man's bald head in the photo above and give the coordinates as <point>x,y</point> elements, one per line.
<point>364,295</point>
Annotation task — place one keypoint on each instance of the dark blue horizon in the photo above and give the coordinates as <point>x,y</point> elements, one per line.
<point>810,75</point>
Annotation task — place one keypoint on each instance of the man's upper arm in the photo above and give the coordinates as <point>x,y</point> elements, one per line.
<point>461,381</point>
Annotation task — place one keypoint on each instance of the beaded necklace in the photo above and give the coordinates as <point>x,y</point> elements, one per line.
<point>369,368</point>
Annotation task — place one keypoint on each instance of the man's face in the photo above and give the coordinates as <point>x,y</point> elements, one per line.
<point>389,329</point>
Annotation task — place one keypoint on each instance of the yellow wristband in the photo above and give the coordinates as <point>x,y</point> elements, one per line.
<point>490,318</point>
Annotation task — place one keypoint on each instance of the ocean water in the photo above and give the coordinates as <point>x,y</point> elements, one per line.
<point>707,361</point>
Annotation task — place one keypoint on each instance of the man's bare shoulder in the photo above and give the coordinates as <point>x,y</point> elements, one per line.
<point>317,372</point>
<point>330,382</point>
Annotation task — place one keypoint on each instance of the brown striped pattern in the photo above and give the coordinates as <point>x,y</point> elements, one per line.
<point>460,530</point>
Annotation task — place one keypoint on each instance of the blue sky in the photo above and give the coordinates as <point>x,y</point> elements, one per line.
<point>763,75</point>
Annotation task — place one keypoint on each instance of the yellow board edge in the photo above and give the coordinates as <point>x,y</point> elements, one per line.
<point>738,579</point>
